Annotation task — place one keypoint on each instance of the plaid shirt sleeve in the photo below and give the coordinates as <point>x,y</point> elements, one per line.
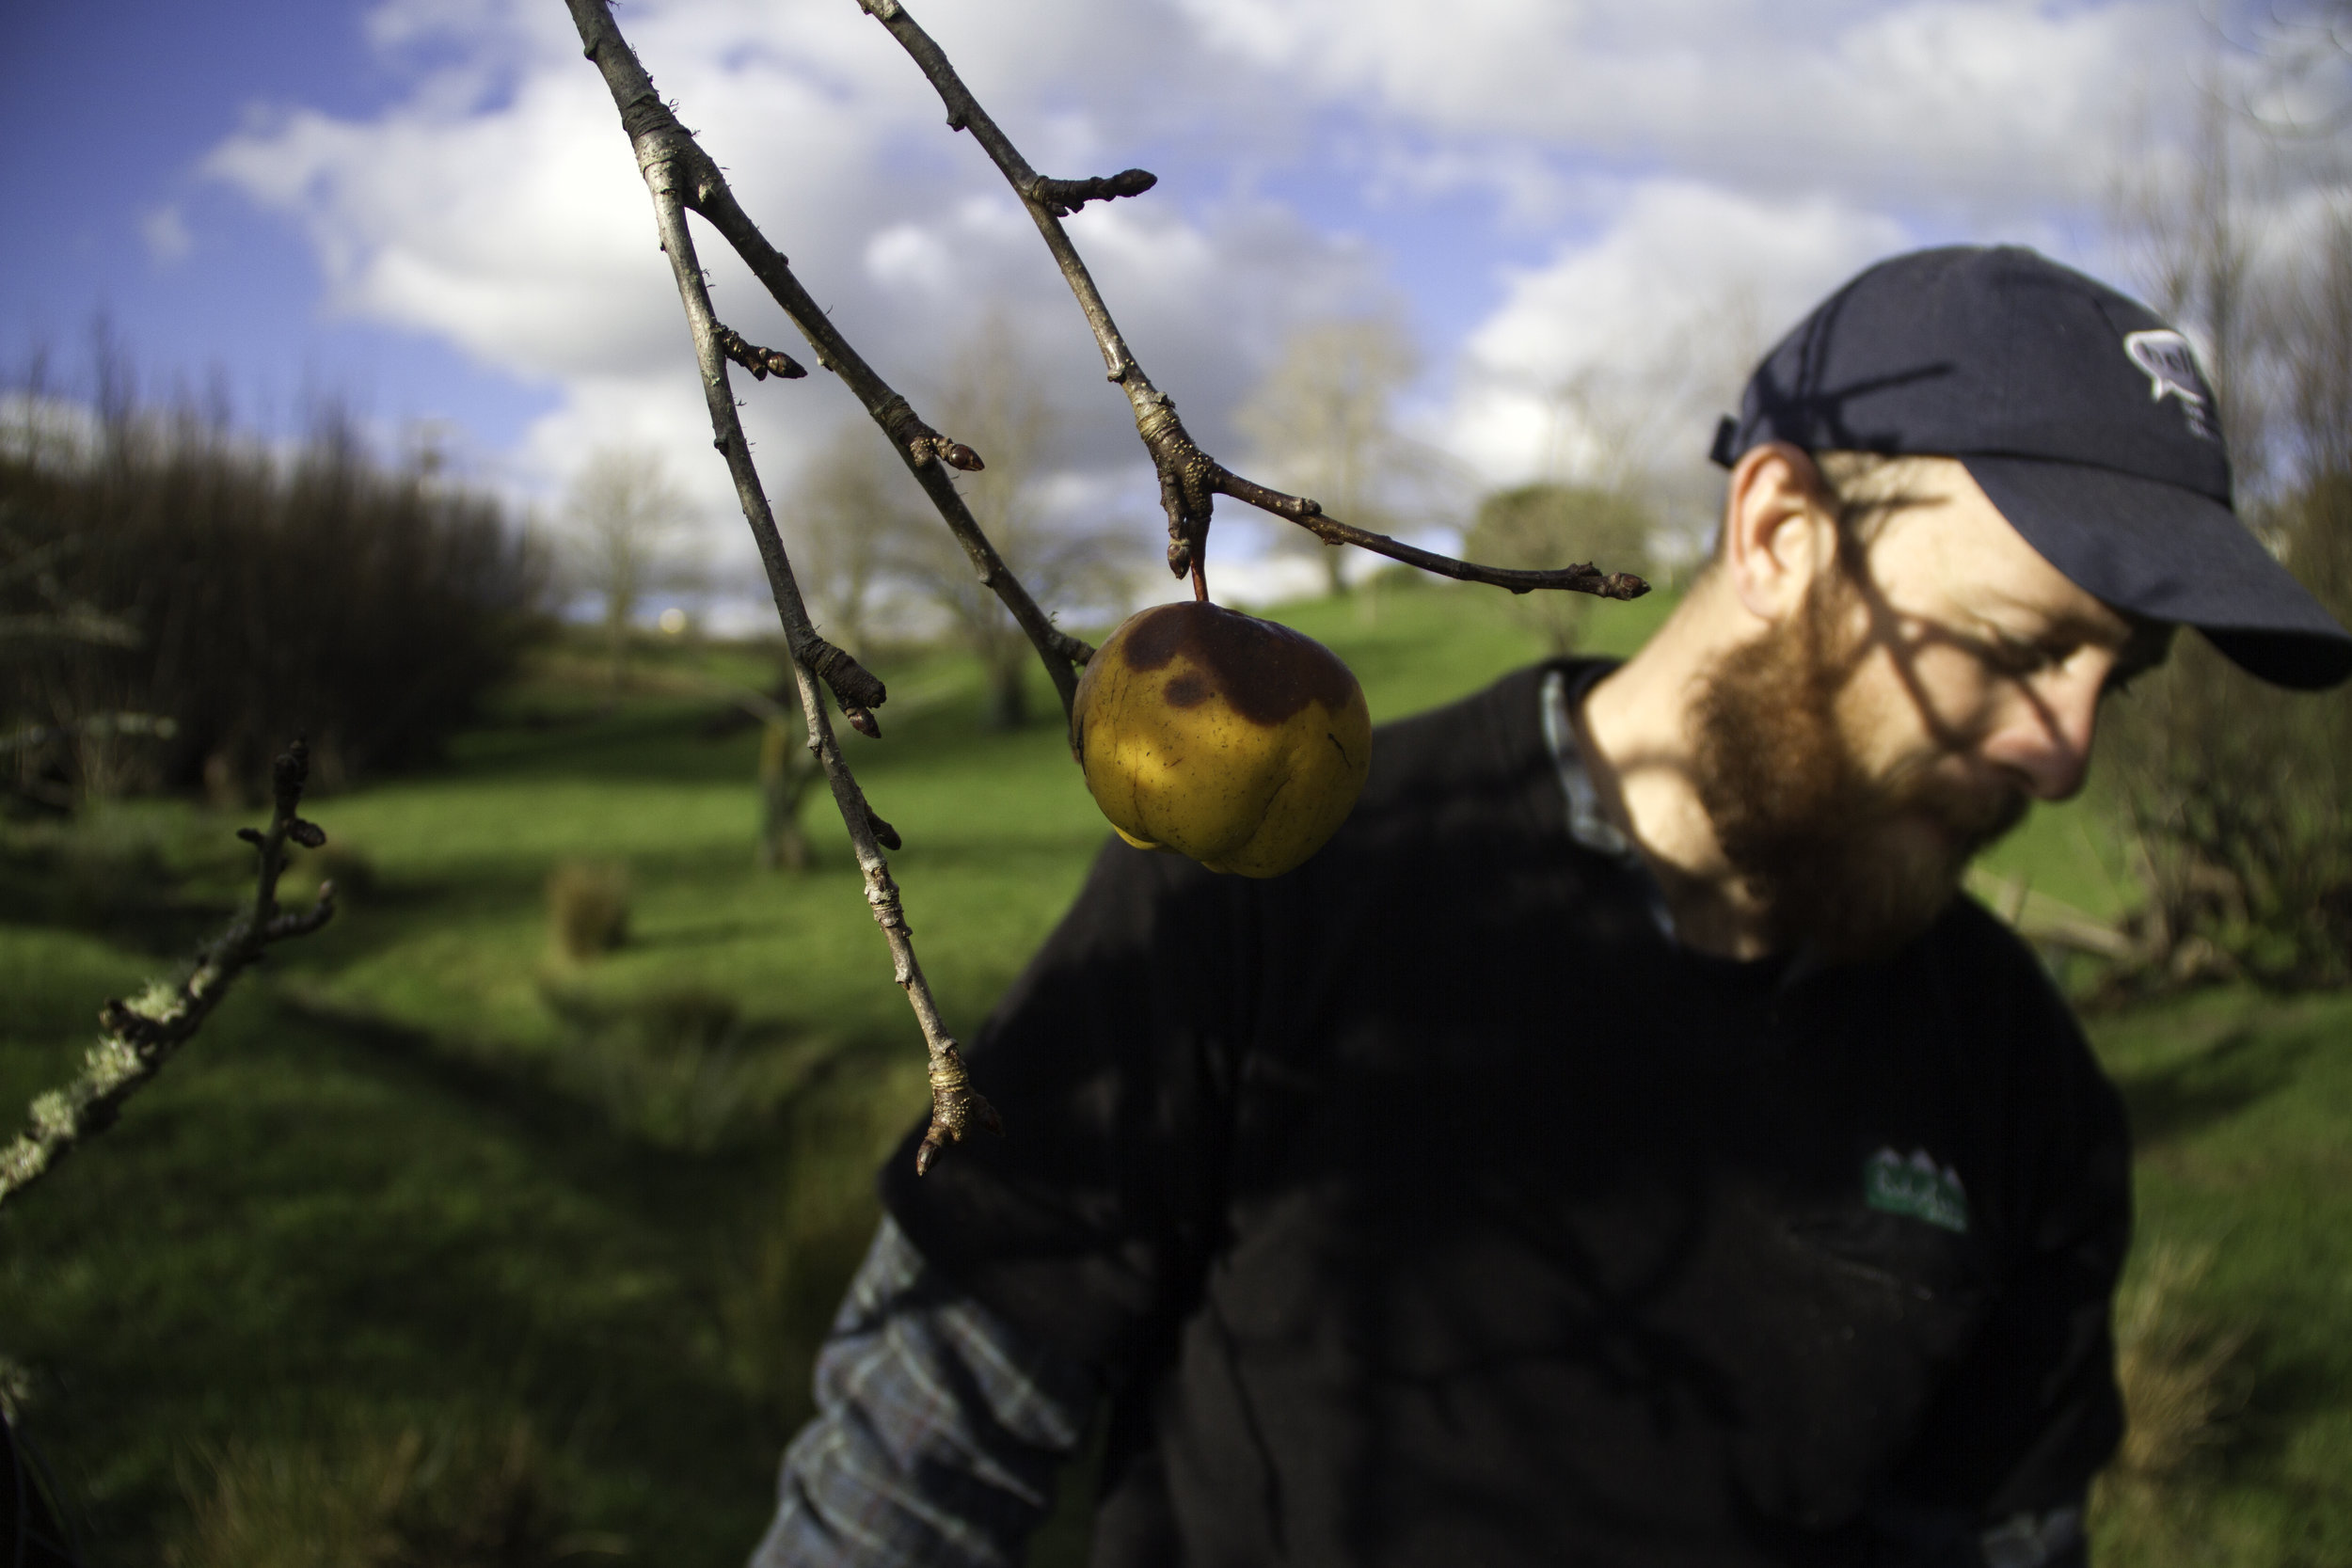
<point>939,1429</point>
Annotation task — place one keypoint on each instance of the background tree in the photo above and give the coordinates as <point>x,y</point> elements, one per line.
<point>1321,422</point>
<point>1632,419</point>
<point>1547,525</point>
<point>38,614</point>
<point>154,565</point>
<point>856,511</point>
<point>995,396</point>
<point>2235,790</point>
<point>627,519</point>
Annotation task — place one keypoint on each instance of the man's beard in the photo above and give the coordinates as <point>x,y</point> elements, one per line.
<point>1844,864</point>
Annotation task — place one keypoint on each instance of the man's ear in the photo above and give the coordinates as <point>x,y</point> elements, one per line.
<point>1779,528</point>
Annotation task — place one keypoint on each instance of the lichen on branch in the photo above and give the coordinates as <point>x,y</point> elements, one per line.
<point>136,1037</point>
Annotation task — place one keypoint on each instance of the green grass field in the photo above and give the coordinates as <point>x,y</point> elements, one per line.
<point>434,1226</point>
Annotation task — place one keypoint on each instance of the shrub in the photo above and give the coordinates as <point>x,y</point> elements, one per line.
<point>587,908</point>
<point>2237,790</point>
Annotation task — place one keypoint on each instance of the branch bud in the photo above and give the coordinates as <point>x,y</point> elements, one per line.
<point>854,686</point>
<point>930,444</point>
<point>288,774</point>
<point>1063,198</point>
<point>761,362</point>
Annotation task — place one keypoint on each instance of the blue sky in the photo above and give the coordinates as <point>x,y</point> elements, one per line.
<point>1586,212</point>
<point>110,109</point>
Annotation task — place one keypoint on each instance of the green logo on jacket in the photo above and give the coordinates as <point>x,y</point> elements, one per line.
<point>1917,1187</point>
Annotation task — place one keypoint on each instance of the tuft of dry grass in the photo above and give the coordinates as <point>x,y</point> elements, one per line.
<point>2173,1364</point>
<point>469,1498</point>
<point>587,908</point>
<point>679,1067</point>
<point>2176,1369</point>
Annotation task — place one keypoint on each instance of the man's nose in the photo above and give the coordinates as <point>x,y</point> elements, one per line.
<point>2044,734</point>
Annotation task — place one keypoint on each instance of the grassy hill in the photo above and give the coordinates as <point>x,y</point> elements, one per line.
<point>434,1232</point>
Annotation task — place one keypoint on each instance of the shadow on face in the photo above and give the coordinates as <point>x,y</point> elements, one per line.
<point>1935,678</point>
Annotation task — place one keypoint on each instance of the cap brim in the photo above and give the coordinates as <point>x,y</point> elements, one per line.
<point>2172,554</point>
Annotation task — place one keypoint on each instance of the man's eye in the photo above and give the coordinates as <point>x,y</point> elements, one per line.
<point>2014,657</point>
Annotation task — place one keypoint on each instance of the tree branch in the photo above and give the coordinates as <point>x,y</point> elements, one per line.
<point>659,139</point>
<point>1584,578</point>
<point>136,1037</point>
<point>675,168</point>
<point>1190,478</point>
<point>680,176</point>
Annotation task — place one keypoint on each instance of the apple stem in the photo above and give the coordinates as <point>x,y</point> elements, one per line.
<point>1199,580</point>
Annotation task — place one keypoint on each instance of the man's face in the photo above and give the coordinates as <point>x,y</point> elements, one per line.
<point>1934,681</point>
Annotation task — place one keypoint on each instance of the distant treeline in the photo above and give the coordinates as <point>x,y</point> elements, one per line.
<point>156,566</point>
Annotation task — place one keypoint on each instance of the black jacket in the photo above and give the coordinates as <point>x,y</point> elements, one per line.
<point>1429,1205</point>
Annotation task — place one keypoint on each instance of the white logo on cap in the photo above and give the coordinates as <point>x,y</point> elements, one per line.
<point>2171,365</point>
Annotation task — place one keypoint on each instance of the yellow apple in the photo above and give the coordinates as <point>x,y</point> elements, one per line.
<point>1239,742</point>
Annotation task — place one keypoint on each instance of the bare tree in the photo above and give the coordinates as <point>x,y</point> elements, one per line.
<point>1321,421</point>
<point>2313,313</point>
<point>626,517</point>
<point>2300,88</point>
<point>996,393</point>
<point>1622,422</point>
<point>173,595</point>
<point>2234,790</point>
<point>2194,230</point>
<point>38,613</point>
<point>856,509</point>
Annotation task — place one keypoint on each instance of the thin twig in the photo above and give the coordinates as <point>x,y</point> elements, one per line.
<point>136,1037</point>
<point>675,168</point>
<point>1190,478</point>
<point>696,179</point>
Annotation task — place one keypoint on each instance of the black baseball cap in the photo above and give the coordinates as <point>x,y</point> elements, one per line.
<point>2085,418</point>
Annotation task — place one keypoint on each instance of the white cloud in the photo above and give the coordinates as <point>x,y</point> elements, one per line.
<point>1622,349</point>
<point>165,231</point>
<point>1989,105</point>
<point>907,255</point>
<point>1715,165</point>
<point>498,206</point>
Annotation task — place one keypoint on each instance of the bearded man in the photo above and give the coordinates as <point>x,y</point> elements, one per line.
<point>1620,1145</point>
